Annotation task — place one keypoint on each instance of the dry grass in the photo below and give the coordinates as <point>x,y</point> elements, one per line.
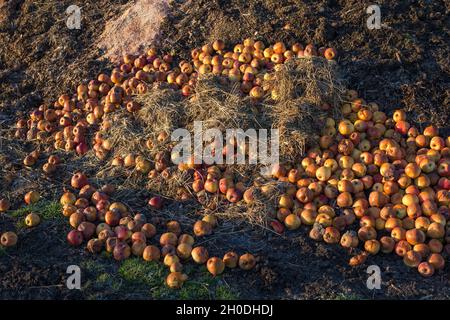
<point>218,104</point>
<point>302,87</point>
<point>263,210</point>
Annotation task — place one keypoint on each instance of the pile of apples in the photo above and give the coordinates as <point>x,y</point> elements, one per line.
<point>382,173</point>
<point>73,118</point>
<point>111,226</point>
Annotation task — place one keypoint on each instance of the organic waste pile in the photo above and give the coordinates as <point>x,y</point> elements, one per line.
<point>350,173</point>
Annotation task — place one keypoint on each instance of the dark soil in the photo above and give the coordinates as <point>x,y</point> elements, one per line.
<point>405,64</point>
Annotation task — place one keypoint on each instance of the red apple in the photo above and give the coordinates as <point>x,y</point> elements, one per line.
<point>75,237</point>
<point>156,202</point>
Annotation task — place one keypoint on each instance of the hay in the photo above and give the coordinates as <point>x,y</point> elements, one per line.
<point>219,104</point>
<point>302,86</point>
<point>127,135</point>
<point>262,211</point>
<point>162,110</point>
<point>169,187</point>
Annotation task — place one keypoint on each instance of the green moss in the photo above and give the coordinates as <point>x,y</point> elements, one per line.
<point>46,209</point>
<point>224,292</point>
<point>151,276</point>
<point>92,266</point>
<point>138,271</point>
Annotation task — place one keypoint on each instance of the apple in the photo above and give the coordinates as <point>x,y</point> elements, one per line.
<point>230,259</point>
<point>78,180</point>
<point>81,203</point>
<point>197,185</point>
<point>415,236</point>
<point>156,202</point>
<point>412,259</point>
<point>233,195</point>
<point>149,230</point>
<point>102,226</point>
<point>174,227</point>
<point>225,184</point>
<point>103,205</point>
<point>202,228</point>
<point>32,220</point>
<point>249,196</point>
<point>215,266</point>
<point>211,185</point>
<point>112,217</point>
<point>4,205</point>
<point>90,213</point>
<point>304,195</point>
<point>186,238</point>
<point>32,197</point>
<point>170,259</point>
<point>75,237</point>
<point>175,280</point>
<point>247,261</point>
<point>372,246</point>
<point>427,165</point>
<point>151,253</point>
<point>8,239</point>
<point>168,238</point>
<point>199,255</point>
<point>435,246</point>
<point>105,234</point>
<point>87,229</point>
<point>425,269</point>
<point>184,251</point>
<point>444,168</point>
<point>121,251</point>
<point>137,248</point>
<point>76,219</point>
<point>437,261</point>
<point>331,235</point>
<point>292,221</point>
<point>330,54</point>
<point>111,244</point>
<point>94,246</point>
<point>435,230</point>
<point>122,233</point>
<point>402,247</point>
<point>349,240</point>
<point>98,196</point>
<point>358,259</point>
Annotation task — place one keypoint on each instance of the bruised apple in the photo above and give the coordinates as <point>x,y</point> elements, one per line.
<point>247,261</point>
<point>175,280</point>
<point>121,251</point>
<point>202,228</point>
<point>8,239</point>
